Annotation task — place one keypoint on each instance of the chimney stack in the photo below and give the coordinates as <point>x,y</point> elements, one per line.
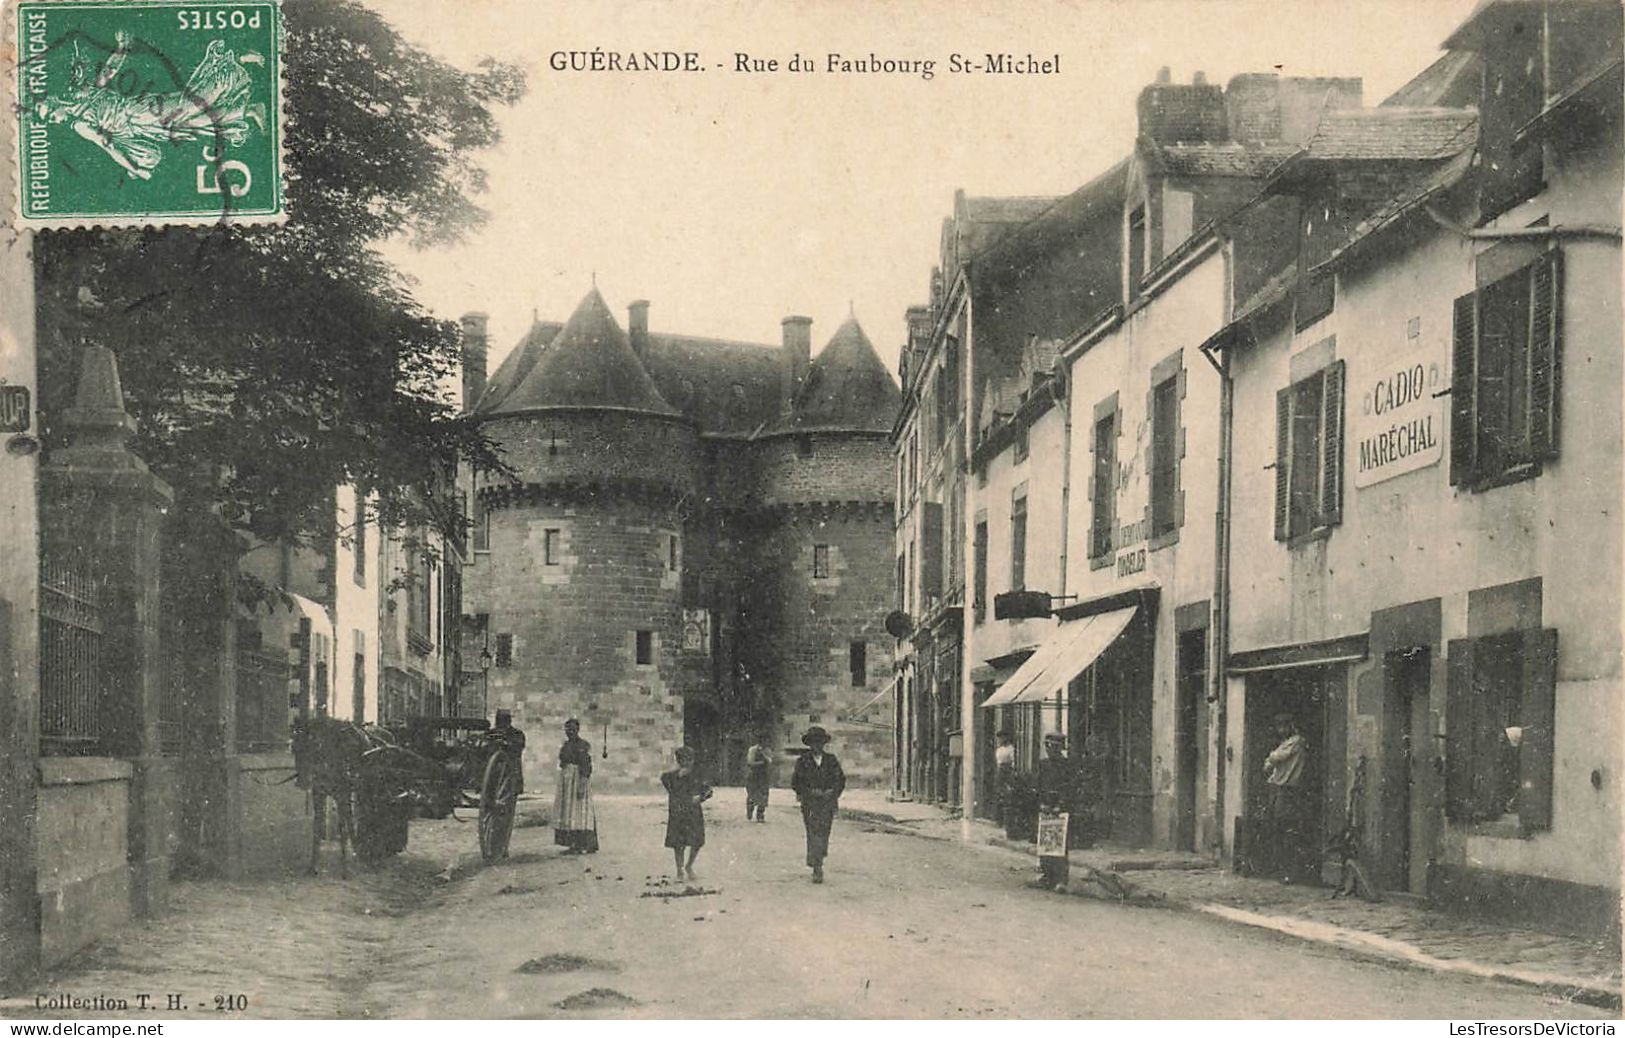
<point>476,350</point>
<point>1182,113</point>
<point>797,358</point>
<point>637,325</point>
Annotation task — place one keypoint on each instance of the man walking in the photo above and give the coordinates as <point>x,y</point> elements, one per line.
<point>758,778</point>
<point>818,782</point>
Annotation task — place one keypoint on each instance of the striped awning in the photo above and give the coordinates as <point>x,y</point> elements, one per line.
<point>1066,654</point>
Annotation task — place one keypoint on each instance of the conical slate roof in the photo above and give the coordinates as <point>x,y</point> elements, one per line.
<point>848,388</point>
<point>589,364</point>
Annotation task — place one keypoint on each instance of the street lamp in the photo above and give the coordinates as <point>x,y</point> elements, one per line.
<point>485,669</point>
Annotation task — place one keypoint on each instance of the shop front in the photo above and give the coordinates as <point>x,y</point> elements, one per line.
<point>1090,680</point>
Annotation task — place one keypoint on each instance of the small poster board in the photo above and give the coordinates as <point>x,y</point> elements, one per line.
<point>1052,836</point>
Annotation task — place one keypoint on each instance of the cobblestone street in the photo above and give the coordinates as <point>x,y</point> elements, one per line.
<point>435,934</point>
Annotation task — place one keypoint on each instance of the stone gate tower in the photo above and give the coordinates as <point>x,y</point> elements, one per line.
<point>695,546</point>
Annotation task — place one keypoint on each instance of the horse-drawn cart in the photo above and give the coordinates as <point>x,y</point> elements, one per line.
<point>380,776</point>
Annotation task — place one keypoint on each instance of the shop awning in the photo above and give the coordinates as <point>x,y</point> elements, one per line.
<point>1070,650</point>
<point>889,688</point>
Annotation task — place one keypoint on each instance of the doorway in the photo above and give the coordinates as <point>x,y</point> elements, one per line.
<point>1403,846</point>
<point>1188,734</point>
<point>1305,695</point>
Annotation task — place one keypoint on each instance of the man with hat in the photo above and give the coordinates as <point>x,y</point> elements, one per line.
<point>1056,788</point>
<point>818,782</point>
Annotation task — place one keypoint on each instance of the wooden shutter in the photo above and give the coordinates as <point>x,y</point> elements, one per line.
<point>1331,446</point>
<point>1545,340</point>
<point>1460,732</point>
<point>1538,714</point>
<point>1464,392</point>
<point>1283,463</point>
<point>931,549</point>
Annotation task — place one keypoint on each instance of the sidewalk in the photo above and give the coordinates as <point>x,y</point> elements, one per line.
<point>1402,931</point>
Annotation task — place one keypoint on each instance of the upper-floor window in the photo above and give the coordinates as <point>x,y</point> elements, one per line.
<point>820,561</point>
<point>674,553</point>
<point>644,647</point>
<point>902,584</point>
<point>1136,251</point>
<point>419,589</point>
<point>359,543</point>
<point>504,653</point>
<point>482,527</point>
<point>1504,404</point>
<point>1103,479</point>
<point>1309,453</point>
<point>1021,445</point>
<point>858,660</point>
<point>979,589</point>
<point>1018,541</point>
<point>1166,500</point>
<point>550,547</point>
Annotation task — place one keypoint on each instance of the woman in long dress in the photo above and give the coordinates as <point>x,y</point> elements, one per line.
<point>575,824</point>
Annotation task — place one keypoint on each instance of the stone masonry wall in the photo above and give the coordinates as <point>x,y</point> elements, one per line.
<point>573,625</point>
<point>843,467</point>
<point>806,626</point>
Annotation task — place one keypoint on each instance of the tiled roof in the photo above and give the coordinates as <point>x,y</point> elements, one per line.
<point>1424,186</point>
<point>728,388</point>
<point>847,388</point>
<point>986,221</point>
<point>1387,134</point>
<point>1063,219</point>
<point>1226,159</point>
<point>516,365</point>
<point>589,364</point>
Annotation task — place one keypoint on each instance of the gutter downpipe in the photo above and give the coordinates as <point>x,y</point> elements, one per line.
<point>1218,696</point>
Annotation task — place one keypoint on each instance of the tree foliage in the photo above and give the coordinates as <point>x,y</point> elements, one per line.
<point>266,365</point>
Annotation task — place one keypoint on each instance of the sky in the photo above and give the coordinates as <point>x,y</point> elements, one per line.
<point>730,200</point>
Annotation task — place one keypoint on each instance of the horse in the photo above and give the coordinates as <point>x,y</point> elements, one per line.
<point>327,755</point>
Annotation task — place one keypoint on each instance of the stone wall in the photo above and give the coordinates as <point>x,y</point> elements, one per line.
<point>805,627</point>
<point>573,625</point>
<point>84,876</point>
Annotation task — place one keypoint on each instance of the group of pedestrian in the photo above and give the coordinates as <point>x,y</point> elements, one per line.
<point>818,782</point>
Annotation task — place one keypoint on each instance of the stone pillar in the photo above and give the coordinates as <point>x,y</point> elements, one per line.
<point>102,507</point>
<point>200,560</point>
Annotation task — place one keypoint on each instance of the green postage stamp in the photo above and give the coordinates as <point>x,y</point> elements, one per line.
<point>136,112</point>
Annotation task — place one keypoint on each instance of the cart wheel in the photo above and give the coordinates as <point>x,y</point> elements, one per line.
<point>499,795</point>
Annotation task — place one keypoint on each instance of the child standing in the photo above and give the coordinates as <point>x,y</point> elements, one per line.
<point>685,821</point>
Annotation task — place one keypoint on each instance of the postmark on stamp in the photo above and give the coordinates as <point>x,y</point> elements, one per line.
<point>135,112</point>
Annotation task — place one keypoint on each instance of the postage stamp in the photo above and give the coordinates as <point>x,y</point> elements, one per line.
<point>136,113</point>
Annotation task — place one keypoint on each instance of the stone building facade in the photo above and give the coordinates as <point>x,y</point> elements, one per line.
<point>695,545</point>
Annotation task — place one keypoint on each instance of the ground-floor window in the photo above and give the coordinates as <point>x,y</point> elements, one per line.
<point>1498,728</point>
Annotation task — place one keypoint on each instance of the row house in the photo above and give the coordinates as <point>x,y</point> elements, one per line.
<point>1416,561</point>
<point>1431,584</point>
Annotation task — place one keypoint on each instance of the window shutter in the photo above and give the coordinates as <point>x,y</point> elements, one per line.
<point>1464,393</point>
<point>1460,732</point>
<point>1538,714</point>
<point>1283,462</point>
<point>1331,443</point>
<point>1545,340</point>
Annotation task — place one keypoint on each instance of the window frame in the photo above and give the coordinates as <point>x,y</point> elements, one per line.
<point>643,647</point>
<point>1475,750</point>
<point>1018,539</point>
<point>821,562</point>
<point>1104,432</point>
<point>1473,466</point>
<point>1322,488</point>
<point>1165,504</point>
<point>857,659</point>
<point>550,545</point>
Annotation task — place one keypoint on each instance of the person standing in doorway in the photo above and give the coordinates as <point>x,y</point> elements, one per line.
<point>575,824</point>
<point>685,819</point>
<point>1056,788</point>
<point>1004,769</point>
<point>1283,771</point>
<point>818,782</point>
<point>758,778</point>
